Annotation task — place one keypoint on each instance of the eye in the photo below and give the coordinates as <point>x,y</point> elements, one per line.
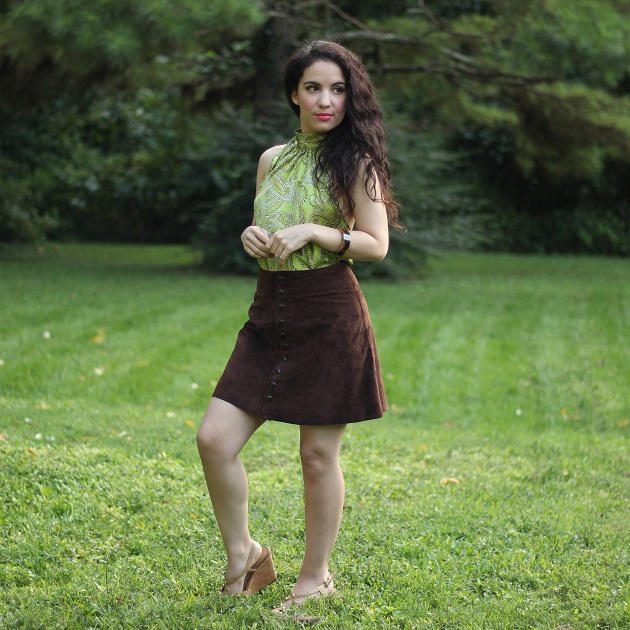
<point>338,90</point>
<point>311,88</point>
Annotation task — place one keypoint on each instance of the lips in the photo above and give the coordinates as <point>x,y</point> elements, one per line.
<point>324,116</point>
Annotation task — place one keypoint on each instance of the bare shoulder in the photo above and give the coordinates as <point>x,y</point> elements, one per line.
<point>264,163</point>
<point>268,155</point>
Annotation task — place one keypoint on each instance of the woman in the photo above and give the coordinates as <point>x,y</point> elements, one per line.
<point>306,356</point>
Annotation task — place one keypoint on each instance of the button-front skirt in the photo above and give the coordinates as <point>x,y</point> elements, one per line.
<point>307,354</point>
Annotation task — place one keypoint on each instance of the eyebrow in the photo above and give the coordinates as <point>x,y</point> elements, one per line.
<point>316,83</point>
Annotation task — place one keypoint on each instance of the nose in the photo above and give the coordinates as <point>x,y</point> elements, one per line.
<point>324,99</point>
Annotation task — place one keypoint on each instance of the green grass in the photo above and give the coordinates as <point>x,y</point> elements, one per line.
<point>508,374</point>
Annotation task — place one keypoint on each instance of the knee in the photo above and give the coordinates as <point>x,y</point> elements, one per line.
<point>206,443</point>
<point>212,448</point>
<point>316,461</point>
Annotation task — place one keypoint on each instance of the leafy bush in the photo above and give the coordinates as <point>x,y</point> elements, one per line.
<point>32,155</point>
<point>110,168</point>
<point>536,209</point>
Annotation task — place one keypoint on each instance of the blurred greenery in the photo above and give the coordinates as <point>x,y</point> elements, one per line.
<point>143,121</point>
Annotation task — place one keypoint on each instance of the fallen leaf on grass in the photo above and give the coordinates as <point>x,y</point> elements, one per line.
<point>46,335</point>
<point>99,337</point>
<point>3,436</point>
<point>44,406</point>
<point>448,480</point>
<point>190,423</point>
<point>568,417</point>
<point>623,424</point>
<point>1,361</point>
<point>99,371</point>
<point>170,414</point>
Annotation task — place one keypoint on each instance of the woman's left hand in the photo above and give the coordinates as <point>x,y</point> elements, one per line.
<point>285,242</point>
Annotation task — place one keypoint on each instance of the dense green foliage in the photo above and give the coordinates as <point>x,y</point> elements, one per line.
<point>103,168</point>
<point>107,358</point>
<point>50,47</point>
<point>537,96</point>
<point>508,121</point>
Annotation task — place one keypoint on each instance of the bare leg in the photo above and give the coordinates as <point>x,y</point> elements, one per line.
<point>224,431</point>
<point>323,501</point>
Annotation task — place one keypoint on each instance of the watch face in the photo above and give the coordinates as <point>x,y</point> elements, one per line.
<point>345,242</point>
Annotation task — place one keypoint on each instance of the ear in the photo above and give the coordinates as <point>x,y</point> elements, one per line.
<point>294,98</point>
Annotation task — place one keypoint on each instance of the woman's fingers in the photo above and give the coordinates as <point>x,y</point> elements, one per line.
<point>285,242</point>
<point>279,250</point>
<point>259,244</point>
<point>254,240</point>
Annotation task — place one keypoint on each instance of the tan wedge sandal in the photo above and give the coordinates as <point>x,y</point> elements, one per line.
<point>297,599</point>
<point>257,575</point>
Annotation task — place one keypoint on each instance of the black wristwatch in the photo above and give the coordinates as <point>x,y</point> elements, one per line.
<point>345,242</point>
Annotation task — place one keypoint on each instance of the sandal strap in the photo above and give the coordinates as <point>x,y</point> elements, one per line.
<point>320,590</point>
<point>248,567</point>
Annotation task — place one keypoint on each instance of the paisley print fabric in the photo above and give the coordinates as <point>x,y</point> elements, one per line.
<point>289,196</point>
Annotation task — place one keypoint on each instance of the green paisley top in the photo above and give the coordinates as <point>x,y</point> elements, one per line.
<point>288,196</point>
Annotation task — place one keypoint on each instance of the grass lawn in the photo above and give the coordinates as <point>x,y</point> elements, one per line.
<point>493,495</point>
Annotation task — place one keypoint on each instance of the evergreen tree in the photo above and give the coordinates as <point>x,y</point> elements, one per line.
<point>511,118</point>
<point>52,47</point>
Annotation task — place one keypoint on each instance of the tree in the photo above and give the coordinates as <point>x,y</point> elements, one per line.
<point>531,99</point>
<point>52,47</point>
<point>537,94</point>
<point>514,115</point>
<point>60,62</point>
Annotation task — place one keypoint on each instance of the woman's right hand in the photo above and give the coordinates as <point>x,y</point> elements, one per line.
<point>254,239</point>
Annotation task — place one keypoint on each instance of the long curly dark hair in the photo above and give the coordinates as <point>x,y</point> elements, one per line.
<point>359,140</point>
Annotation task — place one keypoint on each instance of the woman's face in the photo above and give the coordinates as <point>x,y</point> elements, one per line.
<point>321,97</point>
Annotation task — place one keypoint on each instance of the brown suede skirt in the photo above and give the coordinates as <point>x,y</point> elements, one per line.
<point>307,354</point>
